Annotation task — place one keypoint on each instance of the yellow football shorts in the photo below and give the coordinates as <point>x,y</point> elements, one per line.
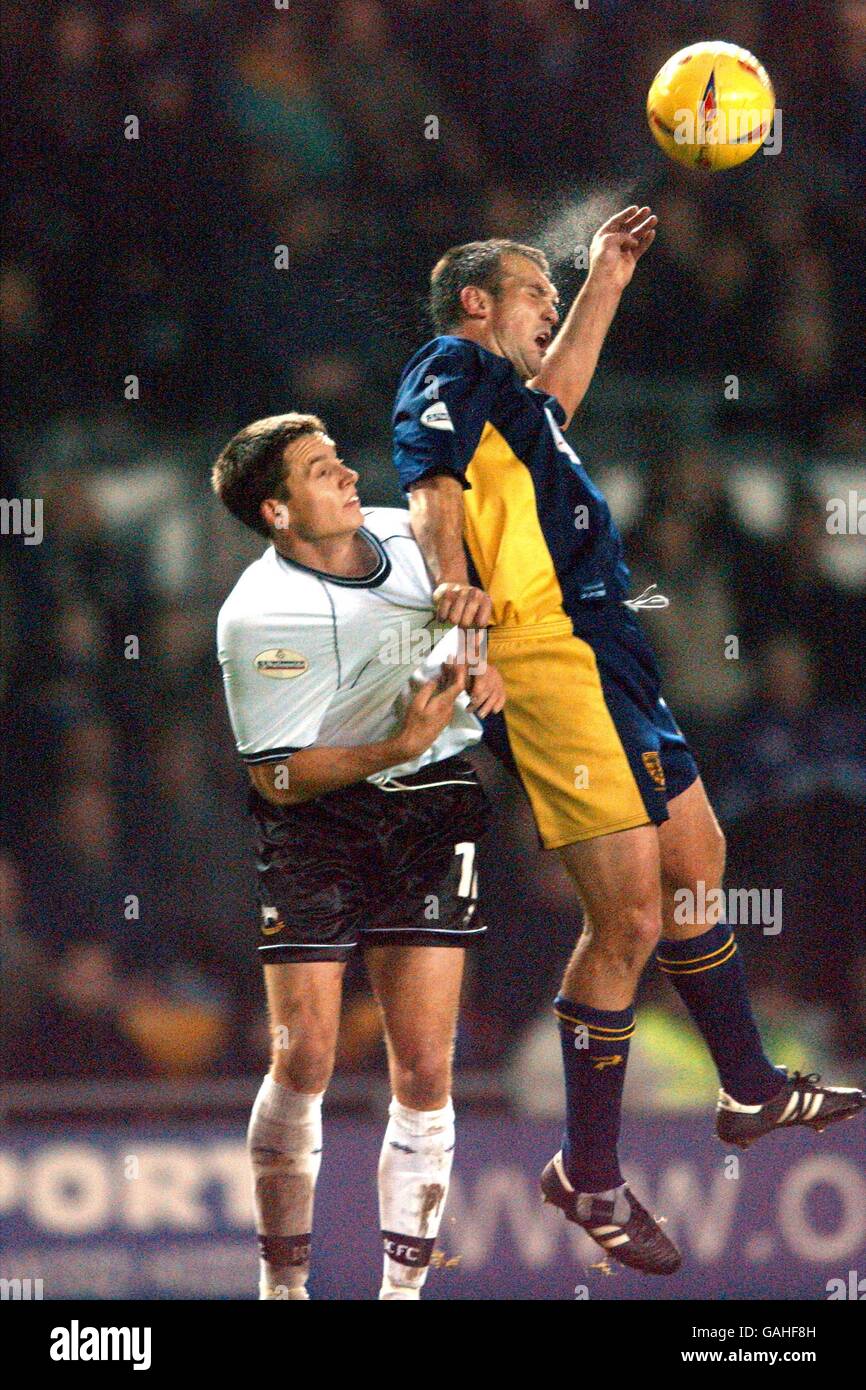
<point>593,742</point>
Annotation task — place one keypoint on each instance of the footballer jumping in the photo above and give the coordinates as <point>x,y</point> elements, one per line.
<point>517,536</point>
<point>367,817</point>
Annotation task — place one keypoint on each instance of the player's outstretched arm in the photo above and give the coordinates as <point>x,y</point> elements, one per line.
<point>313,771</point>
<point>571,359</point>
<point>436,511</point>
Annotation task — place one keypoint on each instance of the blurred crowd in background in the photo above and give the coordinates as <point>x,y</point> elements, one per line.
<point>145,319</point>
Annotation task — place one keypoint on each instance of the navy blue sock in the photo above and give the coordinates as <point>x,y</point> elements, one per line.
<point>594,1055</point>
<point>707,972</point>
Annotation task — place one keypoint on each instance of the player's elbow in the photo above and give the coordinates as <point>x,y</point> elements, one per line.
<point>273,782</point>
<point>290,797</point>
<point>294,795</point>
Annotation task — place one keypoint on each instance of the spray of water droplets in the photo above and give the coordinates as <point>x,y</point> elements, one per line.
<point>571,223</point>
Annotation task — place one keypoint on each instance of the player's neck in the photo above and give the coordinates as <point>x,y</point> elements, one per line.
<point>478,333</point>
<point>350,556</point>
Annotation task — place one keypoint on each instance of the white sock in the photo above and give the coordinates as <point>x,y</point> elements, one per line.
<point>414,1171</point>
<point>284,1140</point>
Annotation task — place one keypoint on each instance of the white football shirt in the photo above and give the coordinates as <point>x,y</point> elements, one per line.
<point>309,657</point>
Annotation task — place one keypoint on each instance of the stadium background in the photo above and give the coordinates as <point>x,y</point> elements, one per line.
<point>130,984</point>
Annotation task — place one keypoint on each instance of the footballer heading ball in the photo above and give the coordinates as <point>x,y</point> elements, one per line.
<point>711,105</point>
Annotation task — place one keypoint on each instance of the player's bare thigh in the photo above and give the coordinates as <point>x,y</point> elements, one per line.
<point>618,879</point>
<point>304,1016</point>
<point>418,990</point>
<point>692,849</point>
<point>624,874</point>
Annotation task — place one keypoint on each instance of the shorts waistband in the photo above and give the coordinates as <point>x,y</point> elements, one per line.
<point>447,771</point>
<point>558,626</point>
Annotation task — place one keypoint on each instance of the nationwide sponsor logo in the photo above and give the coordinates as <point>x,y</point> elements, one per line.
<point>436,417</point>
<point>281,664</point>
<point>653,764</point>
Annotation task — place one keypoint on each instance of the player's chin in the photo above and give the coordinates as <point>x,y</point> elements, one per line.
<point>527,365</point>
<point>535,359</point>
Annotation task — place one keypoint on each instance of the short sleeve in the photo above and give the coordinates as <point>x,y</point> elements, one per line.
<point>277,691</point>
<point>556,410</point>
<point>549,403</point>
<point>441,409</point>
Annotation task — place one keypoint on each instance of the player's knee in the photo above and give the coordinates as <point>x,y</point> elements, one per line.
<point>303,1058</point>
<point>634,920</point>
<point>422,1076</point>
<point>629,939</point>
<point>304,1069</point>
<point>641,931</point>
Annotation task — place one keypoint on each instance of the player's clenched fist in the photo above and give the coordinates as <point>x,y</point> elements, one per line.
<point>430,711</point>
<point>463,605</point>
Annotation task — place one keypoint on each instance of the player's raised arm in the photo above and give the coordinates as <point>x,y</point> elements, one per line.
<point>571,359</point>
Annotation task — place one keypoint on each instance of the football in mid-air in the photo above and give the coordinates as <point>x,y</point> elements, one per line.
<point>711,105</point>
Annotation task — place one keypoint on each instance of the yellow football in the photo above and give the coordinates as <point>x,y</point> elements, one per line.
<point>711,105</point>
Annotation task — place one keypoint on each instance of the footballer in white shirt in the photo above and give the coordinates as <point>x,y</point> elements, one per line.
<point>352,712</point>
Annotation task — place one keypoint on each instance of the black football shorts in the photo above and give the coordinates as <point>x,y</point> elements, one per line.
<point>371,866</point>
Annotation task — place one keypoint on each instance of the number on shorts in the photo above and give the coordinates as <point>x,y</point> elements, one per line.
<point>468,885</point>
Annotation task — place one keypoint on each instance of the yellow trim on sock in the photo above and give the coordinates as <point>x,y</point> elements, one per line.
<point>569,1018</point>
<point>699,968</point>
<point>693,960</point>
<point>600,1034</point>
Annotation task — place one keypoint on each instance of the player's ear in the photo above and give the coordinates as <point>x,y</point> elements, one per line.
<point>475,302</point>
<point>275,514</point>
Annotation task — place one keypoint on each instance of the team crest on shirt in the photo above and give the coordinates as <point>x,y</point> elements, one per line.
<point>272,922</point>
<point>653,764</point>
<point>280,664</point>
